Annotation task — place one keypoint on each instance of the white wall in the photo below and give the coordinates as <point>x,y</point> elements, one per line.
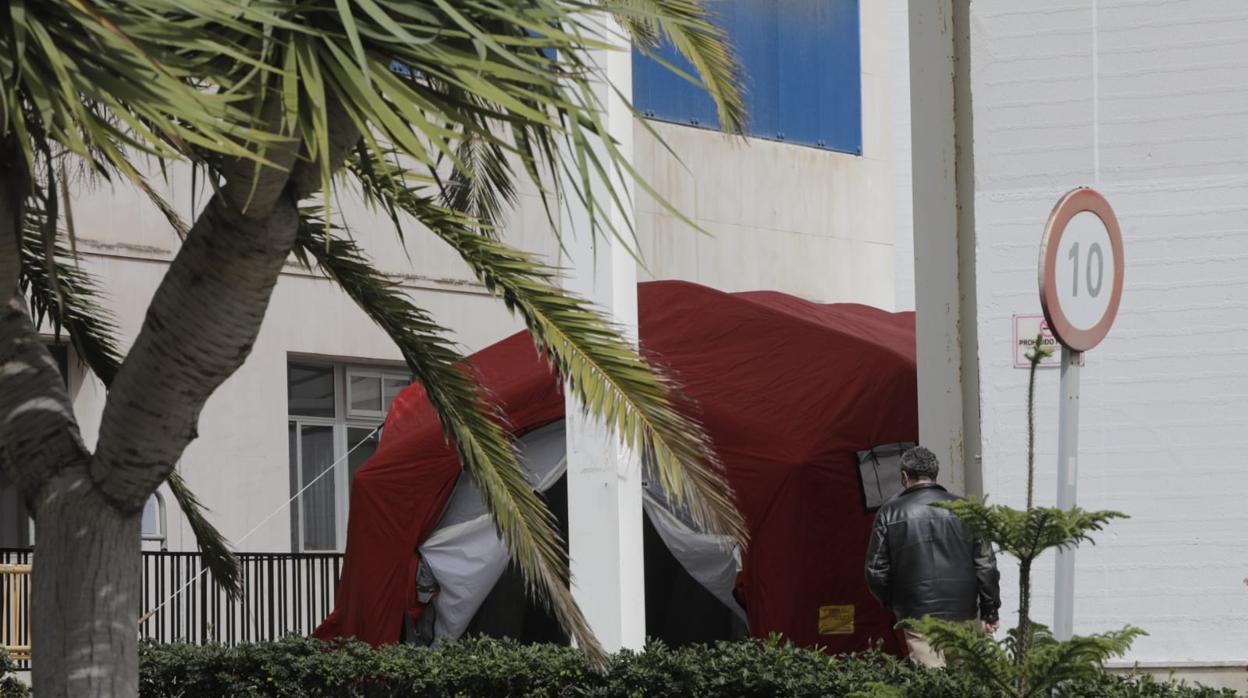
<point>1145,100</point>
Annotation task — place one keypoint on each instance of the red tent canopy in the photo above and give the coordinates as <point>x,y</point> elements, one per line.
<point>788,390</point>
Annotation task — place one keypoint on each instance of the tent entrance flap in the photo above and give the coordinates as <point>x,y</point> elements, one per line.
<point>679,608</point>
<point>689,579</point>
<point>464,552</point>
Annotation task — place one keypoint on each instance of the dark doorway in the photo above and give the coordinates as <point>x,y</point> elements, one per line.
<point>509,611</point>
<point>679,610</point>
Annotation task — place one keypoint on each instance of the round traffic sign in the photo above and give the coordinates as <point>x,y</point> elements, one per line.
<point>1081,269</point>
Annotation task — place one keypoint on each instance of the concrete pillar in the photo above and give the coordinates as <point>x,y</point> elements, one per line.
<point>604,479</point>
<point>944,239</point>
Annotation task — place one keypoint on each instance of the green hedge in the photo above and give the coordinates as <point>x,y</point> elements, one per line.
<point>10,687</point>
<point>482,667</point>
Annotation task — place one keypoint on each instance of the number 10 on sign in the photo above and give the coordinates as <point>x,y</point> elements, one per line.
<point>1094,253</point>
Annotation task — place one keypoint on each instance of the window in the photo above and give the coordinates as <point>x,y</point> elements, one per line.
<point>335,415</point>
<point>153,522</point>
<point>800,65</point>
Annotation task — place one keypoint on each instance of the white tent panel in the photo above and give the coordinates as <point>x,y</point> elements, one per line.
<point>464,552</point>
<point>467,559</point>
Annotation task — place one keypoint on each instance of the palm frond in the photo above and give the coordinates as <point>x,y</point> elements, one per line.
<point>1027,533</point>
<point>1051,662</point>
<point>468,416</point>
<point>690,28</point>
<point>632,395</point>
<point>106,81</point>
<point>213,547</point>
<point>965,644</point>
<point>91,328</point>
<point>501,78</point>
<point>92,332</point>
<point>482,186</point>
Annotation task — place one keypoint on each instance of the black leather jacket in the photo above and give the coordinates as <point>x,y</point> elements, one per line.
<point>923,561</point>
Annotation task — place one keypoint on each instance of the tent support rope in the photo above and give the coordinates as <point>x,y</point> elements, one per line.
<point>332,467</point>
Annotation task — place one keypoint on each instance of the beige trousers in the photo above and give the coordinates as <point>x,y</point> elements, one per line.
<point>922,653</point>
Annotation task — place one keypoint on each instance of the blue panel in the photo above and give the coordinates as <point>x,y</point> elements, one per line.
<point>840,99</point>
<point>801,73</point>
<point>798,89</point>
<point>754,36</point>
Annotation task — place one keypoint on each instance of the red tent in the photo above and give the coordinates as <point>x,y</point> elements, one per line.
<point>789,392</point>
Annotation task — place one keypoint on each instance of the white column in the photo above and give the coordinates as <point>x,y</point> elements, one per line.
<point>604,479</point>
<point>944,239</point>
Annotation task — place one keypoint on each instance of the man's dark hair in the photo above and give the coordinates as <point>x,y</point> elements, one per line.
<point>919,462</point>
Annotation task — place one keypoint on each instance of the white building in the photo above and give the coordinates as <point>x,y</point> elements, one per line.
<point>1143,99</point>
<point>1146,102</point>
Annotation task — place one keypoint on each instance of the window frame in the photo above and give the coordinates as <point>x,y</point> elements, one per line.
<point>381,374</point>
<point>162,522</point>
<point>344,419</point>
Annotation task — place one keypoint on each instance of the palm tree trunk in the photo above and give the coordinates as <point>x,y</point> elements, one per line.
<point>87,592</point>
<point>86,583</point>
<point>200,327</point>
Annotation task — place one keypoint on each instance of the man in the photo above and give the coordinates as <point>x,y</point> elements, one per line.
<point>924,561</point>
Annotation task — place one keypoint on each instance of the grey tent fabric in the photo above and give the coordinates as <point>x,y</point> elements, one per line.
<point>467,557</point>
<point>714,561</point>
<point>464,552</point>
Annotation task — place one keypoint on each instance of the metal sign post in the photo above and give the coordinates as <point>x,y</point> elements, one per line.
<point>1067,480</point>
<point>1081,269</point>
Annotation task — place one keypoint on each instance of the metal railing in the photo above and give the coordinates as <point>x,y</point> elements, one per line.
<point>15,610</point>
<point>282,594</point>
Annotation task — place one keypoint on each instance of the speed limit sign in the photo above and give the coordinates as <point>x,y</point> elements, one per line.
<point>1081,269</point>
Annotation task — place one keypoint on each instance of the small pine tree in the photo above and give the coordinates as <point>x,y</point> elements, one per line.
<point>1029,661</point>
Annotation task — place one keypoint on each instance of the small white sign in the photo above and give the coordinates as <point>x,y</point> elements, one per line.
<point>1026,328</point>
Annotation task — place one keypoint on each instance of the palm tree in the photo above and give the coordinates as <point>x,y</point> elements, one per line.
<point>275,102</point>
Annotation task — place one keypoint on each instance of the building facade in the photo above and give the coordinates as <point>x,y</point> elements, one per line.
<point>813,203</point>
<point>866,179</point>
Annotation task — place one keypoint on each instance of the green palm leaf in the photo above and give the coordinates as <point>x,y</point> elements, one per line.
<point>688,26</point>
<point>483,187</point>
<point>76,309</point>
<point>636,399</point>
<point>965,644</point>
<point>107,82</point>
<point>468,416</point>
<point>1027,533</point>
<point>1051,663</point>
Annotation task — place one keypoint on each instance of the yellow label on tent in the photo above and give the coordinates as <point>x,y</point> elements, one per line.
<point>836,620</point>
